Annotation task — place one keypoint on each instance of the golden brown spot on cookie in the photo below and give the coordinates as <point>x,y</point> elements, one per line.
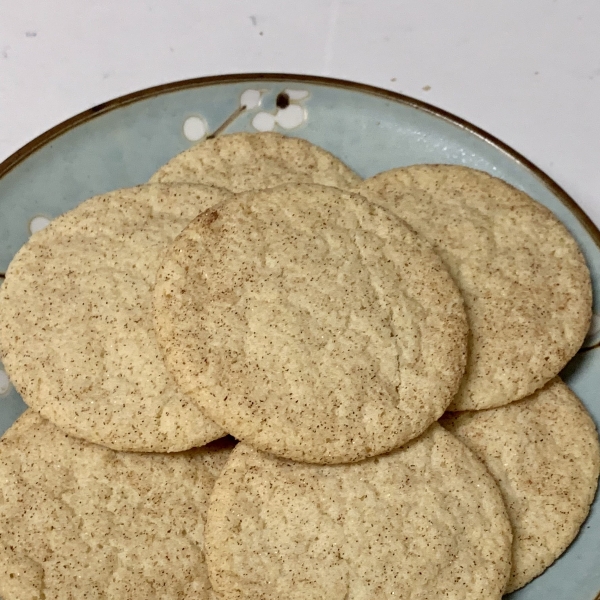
<point>210,217</point>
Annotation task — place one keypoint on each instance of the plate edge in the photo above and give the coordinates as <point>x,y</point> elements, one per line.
<point>51,134</point>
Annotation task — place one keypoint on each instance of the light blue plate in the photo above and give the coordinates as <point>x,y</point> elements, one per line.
<point>121,143</point>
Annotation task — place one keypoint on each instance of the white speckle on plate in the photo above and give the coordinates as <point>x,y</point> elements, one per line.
<point>38,223</point>
<point>194,128</point>
<point>263,121</point>
<point>4,382</point>
<point>291,116</point>
<point>250,99</point>
<point>297,94</point>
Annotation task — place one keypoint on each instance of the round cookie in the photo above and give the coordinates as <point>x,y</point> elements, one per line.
<point>246,161</point>
<point>76,329</point>
<point>543,452</point>
<point>525,283</point>
<point>81,521</point>
<point>310,323</point>
<point>424,521</point>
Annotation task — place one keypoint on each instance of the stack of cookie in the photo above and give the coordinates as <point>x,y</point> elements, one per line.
<point>385,351</point>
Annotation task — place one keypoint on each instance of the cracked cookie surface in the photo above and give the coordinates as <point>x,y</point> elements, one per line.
<point>76,330</point>
<point>310,323</point>
<point>424,521</point>
<point>81,521</point>
<point>525,283</point>
<point>543,452</point>
<point>247,161</point>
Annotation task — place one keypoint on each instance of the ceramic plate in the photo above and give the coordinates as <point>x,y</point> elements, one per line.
<point>122,142</point>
